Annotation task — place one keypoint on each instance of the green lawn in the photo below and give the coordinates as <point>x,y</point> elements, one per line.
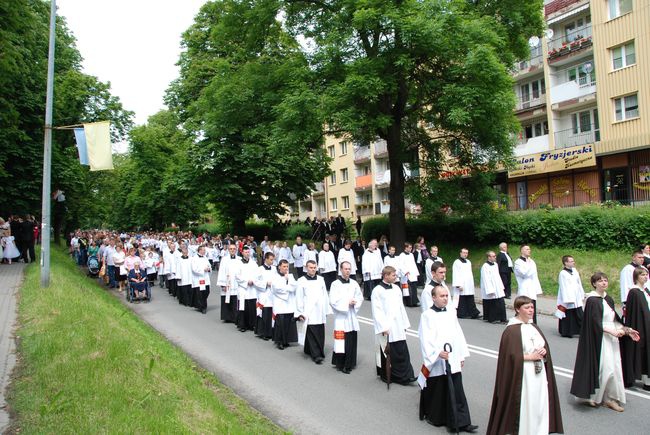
<point>87,364</point>
<point>549,264</point>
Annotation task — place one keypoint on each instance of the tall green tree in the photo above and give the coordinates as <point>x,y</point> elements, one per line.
<point>78,98</point>
<point>428,76</point>
<point>245,92</point>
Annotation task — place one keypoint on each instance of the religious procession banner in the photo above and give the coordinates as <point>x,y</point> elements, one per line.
<point>94,145</point>
<point>560,159</point>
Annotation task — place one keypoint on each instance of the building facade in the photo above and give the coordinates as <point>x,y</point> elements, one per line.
<point>583,101</point>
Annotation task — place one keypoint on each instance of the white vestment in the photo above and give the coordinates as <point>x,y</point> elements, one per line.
<point>312,301</point>
<point>491,284</point>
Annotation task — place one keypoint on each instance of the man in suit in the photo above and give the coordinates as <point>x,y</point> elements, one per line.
<point>27,237</point>
<point>15,225</point>
<point>505,268</point>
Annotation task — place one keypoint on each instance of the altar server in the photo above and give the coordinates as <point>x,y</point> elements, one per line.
<point>312,306</point>
<point>346,299</point>
<point>201,269</point>
<point>246,275</point>
<point>284,306</point>
<point>493,291</point>
<point>371,267</point>
<point>463,287</point>
<point>226,280</point>
<point>570,297</point>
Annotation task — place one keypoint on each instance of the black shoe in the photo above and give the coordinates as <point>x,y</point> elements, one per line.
<point>470,428</point>
<point>346,371</point>
<point>281,346</point>
<point>646,387</point>
<point>318,361</point>
<point>204,311</point>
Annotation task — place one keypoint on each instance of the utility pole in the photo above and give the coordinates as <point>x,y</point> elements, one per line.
<point>47,156</point>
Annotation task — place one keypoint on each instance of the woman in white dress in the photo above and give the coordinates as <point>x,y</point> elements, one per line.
<point>598,373</point>
<point>9,250</point>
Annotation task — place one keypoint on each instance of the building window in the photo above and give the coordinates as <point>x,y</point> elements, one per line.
<point>624,55</point>
<point>330,151</point>
<point>532,90</point>
<point>619,7</point>
<point>344,175</point>
<point>332,178</point>
<point>535,130</point>
<point>346,202</point>
<point>366,170</point>
<point>344,148</point>
<point>626,107</point>
<point>333,204</point>
<point>584,74</point>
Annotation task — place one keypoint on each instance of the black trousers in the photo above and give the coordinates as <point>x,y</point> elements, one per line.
<point>400,363</point>
<point>27,247</point>
<point>228,310</point>
<point>264,326</point>
<point>285,331</point>
<point>368,286</point>
<point>506,279</point>
<point>412,299</point>
<point>494,310</point>
<point>467,307</point>
<point>247,318</point>
<point>571,324</point>
<point>201,297</point>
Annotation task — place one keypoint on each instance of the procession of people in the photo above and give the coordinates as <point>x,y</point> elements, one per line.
<point>289,295</point>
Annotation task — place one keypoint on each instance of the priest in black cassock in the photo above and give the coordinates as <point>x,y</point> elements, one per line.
<point>438,403</point>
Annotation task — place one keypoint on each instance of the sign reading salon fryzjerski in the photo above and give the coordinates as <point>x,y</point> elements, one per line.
<point>556,160</point>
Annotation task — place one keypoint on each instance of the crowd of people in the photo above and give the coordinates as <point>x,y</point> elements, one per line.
<point>285,294</point>
<point>18,235</point>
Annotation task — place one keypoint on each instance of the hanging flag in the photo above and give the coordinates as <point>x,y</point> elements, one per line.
<point>80,137</point>
<point>98,144</point>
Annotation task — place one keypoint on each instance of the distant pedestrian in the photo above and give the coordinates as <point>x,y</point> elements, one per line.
<point>569,299</point>
<point>527,280</point>
<point>505,268</point>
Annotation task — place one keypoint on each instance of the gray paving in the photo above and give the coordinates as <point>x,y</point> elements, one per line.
<point>11,277</point>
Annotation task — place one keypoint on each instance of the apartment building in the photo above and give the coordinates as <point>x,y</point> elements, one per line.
<point>357,186</point>
<point>583,101</point>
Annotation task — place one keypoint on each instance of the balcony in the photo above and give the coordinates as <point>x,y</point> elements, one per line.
<point>561,6</point>
<point>361,154</point>
<point>319,189</point>
<point>382,180</point>
<point>577,40</point>
<point>573,92</point>
<point>363,182</point>
<point>381,149</point>
<point>527,66</point>
<point>532,145</point>
<point>524,103</point>
<point>571,138</point>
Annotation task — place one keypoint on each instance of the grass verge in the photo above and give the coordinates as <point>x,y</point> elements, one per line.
<point>87,364</point>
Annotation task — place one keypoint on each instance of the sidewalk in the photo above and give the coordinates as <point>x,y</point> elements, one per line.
<point>11,276</point>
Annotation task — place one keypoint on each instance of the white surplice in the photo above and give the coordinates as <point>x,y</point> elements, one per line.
<point>491,284</point>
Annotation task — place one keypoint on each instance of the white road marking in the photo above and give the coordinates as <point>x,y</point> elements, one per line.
<point>559,371</point>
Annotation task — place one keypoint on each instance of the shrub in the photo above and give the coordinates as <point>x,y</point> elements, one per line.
<point>295,230</point>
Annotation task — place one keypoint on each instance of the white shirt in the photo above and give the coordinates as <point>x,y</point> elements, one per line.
<point>311,300</point>
<point>527,280</point>
<point>284,294</point>
<point>326,262</point>
<point>347,255</point>
<point>388,312</point>
<point>491,284</point>
<point>200,277</point>
<point>436,329</point>
<point>462,276</point>
<point>570,292</point>
<point>371,264</point>
<point>345,315</point>
<point>407,267</point>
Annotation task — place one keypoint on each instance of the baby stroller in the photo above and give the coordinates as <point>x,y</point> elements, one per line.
<point>93,266</point>
<point>130,292</point>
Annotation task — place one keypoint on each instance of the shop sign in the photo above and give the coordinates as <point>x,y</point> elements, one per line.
<point>556,160</point>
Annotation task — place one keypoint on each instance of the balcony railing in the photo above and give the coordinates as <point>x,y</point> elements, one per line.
<point>319,189</point>
<point>361,154</point>
<point>575,40</point>
<point>523,104</point>
<point>570,137</point>
<point>381,149</point>
<point>529,64</point>
<point>363,182</point>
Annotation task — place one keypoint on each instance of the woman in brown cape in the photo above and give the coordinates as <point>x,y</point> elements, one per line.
<point>636,355</point>
<point>524,375</point>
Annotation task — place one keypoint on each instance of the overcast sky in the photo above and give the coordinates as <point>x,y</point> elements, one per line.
<point>134,44</point>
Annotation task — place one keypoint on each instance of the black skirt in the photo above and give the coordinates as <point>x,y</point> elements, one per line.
<point>494,310</point>
<point>247,318</point>
<point>315,341</point>
<point>400,362</point>
<point>347,360</point>
<point>285,330</point>
<point>435,402</point>
<point>264,326</point>
<point>571,324</point>
<point>228,310</point>
<point>467,308</point>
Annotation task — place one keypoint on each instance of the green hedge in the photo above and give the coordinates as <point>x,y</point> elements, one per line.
<point>295,230</point>
<point>587,227</point>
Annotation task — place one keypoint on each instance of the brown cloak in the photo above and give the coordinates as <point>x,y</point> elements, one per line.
<point>506,401</point>
<point>636,356</point>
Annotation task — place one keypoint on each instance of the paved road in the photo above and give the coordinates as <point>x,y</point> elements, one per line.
<point>306,398</point>
<point>11,276</point>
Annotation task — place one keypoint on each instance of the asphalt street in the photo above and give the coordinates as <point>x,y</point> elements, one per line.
<point>307,398</point>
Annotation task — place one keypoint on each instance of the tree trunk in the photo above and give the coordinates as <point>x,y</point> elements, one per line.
<point>396,214</point>
<point>239,225</point>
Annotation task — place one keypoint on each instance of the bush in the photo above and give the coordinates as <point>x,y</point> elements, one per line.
<point>295,230</point>
<point>587,227</point>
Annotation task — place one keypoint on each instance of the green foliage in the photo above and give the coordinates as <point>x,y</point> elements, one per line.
<point>244,94</point>
<point>77,98</point>
<point>296,230</point>
<point>587,227</point>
